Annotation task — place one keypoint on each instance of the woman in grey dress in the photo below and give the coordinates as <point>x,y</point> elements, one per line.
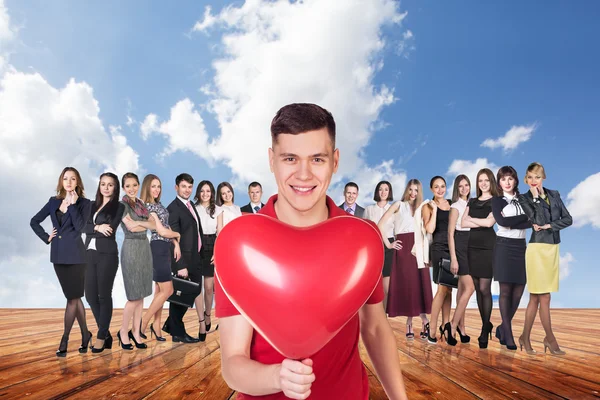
<point>136,261</point>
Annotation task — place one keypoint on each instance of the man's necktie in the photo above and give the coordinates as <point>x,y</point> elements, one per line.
<point>349,210</point>
<point>256,208</point>
<point>189,206</point>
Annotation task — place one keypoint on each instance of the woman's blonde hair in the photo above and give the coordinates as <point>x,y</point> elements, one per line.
<point>406,194</point>
<point>535,167</point>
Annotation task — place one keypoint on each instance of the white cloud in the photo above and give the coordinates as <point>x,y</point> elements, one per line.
<point>184,130</point>
<point>565,265</point>
<point>512,138</point>
<point>583,202</point>
<point>6,30</point>
<point>42,130</point>
<point>469,168</point>
<point>270,58</point>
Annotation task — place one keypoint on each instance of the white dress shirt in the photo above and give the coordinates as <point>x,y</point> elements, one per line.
<point>209,224</point>
<point>460,205</point>
<point>374,213</point>
<point>404,221</point>
<point>511,210</point>
<point>229,213</point>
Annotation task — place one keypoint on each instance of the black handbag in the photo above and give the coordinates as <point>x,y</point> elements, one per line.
<point>445,277</point>
<point>184,291</point>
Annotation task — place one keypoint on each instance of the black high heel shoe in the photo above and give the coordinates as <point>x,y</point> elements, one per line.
<point>441,333</point>
<point>107,345</point>
<point>153,332</point>
<point>201,336</point>
<point>85,343</point>
<point>449,338</point>
<point>142,333</point>
<point>486,330</point>
<point>137,345</point>
<point>123,345</point>
<point>463,338</point>
<point>424,331</point>
<point>63,344</point>
<point>499,335</point>
<point>207,325</point>
<point>430,340</point>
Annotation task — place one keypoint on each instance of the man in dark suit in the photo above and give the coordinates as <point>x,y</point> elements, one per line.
<point>255,194</point>
<point>350,196</point>
<point>184,218</point>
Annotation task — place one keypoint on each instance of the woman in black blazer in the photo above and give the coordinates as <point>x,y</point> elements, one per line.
<point>103,256</point>
<point>549,216</point>
<point>69,211</point>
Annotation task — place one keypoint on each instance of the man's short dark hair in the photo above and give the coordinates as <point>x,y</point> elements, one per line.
<point>254,184</point>
<point>184,177</point>
<point>302,117</point>
<point>350,184</point>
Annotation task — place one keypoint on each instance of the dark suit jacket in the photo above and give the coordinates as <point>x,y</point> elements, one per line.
<point>104,244</point>
<point>358,211</point>
<point>67,246</point>
<point>248,208</point>
<point>182,221</point>
<point>540,213</point>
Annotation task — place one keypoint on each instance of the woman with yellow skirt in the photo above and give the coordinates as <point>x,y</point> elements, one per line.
<point>548,215</point>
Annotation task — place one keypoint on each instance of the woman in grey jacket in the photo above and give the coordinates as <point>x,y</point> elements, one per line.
<point>548,215</point>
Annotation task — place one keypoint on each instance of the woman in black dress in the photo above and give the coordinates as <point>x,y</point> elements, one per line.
<point>103,256</point>
<point>69,210</point>
<point>458,243</point>
<point>478,216</point>
<point>435,218</point>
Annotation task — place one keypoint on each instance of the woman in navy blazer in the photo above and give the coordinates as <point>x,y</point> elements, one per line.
<point>68,211</point>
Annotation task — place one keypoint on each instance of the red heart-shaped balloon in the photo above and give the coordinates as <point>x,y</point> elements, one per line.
<point>298,286</point>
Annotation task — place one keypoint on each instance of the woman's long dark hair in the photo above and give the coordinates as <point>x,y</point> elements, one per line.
<point>211,205</point>
<point>219,199</point>
<point>113,204</point>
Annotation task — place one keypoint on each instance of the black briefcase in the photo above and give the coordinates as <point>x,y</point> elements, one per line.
<point>445,277</point>
<point>184,292</point>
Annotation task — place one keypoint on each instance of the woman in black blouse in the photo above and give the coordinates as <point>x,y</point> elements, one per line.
<point>103,256</point>
<point>69,211</point>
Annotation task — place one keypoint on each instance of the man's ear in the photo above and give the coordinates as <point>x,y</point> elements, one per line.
<point>271,158</point>
<point>336,160</point>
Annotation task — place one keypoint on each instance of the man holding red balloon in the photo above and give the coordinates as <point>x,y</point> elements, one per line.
<point>269,349</point>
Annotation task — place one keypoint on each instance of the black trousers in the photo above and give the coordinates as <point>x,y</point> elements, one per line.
<point>176,311</point>
<point>100,275</point>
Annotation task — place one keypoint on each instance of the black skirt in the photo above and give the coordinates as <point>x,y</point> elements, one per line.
<point>461,246</point>
<point>208,249</point>
<point>72,279</point>
<point>161,261</point>
<point>388,260</point>
<point>509,260</point>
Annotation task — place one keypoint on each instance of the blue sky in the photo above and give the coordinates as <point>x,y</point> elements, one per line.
<point>414,95</point>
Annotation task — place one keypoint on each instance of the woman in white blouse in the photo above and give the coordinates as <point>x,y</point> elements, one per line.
<point>509,252</point>
<point>227,210</point>
<point>458,245</point>
<point>208,211</point>
<point>383,195</point>
<point>410,286</point>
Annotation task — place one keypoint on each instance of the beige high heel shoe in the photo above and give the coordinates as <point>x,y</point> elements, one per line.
<point>557,352</point>
<point>530,350</point>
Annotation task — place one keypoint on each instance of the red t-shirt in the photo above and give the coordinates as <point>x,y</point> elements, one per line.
<point>338,369</point>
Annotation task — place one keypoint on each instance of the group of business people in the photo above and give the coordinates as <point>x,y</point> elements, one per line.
<point>181,243</point>
<point>458,235</point>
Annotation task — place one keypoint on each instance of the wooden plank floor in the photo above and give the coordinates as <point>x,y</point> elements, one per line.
<point>29,369</point>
